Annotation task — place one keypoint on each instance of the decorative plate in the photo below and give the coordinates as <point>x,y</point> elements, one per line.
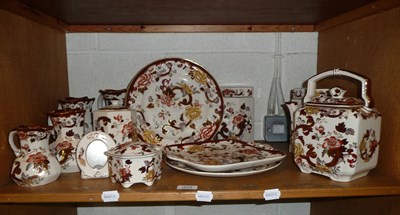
<point>235,173</point>
<point>223,155</point>
<point>90,154</point>
<point>177,101</point>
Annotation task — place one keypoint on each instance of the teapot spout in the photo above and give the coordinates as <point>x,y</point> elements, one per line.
<point>291,107</point>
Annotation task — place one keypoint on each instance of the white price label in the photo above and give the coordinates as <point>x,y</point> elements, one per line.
<point>186,187</point>
<point>110,196</point>
<point>272,194</point>
<point>204,196</point>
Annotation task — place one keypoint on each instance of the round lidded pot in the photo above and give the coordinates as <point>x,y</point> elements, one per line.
<point>117,121</point>
<point>135,162</point>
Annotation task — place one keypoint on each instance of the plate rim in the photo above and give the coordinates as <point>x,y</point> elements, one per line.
<point>225,167</point>
<point>220,113</point>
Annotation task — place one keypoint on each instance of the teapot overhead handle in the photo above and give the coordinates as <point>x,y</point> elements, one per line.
<point>311,85</point>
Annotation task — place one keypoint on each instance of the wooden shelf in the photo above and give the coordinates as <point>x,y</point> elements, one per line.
<point>69,188</point>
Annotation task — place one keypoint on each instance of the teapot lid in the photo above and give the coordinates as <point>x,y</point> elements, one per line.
<point>134,149</point>
<point>334,97</point>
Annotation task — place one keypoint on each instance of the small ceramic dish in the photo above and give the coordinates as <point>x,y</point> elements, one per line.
<point>135,162</point>
<point>223,155</point>
<point>90,154</point>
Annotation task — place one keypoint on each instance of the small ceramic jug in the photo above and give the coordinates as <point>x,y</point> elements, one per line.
<point>83,103</point>
<point>107,95</point>
<point>117,121</point>
<point>34,165</point>
<point>68,126</point>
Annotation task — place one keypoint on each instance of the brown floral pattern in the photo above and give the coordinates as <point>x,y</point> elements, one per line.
<point>177,101</point>
<point>325,139</point>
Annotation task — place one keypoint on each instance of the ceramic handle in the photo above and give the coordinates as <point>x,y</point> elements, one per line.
<point>17,151</point>
<point>100,101</point>
<point>337,72</point>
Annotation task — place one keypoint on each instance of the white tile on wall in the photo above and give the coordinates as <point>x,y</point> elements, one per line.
<point>232,58</point>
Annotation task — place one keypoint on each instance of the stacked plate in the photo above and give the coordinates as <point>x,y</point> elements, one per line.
<point>180,105</point>
<point>223,158</point>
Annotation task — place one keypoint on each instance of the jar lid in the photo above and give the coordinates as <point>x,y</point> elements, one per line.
<point>134,149</point>
<point>335,97</point>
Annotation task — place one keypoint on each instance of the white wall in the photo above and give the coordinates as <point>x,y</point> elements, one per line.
<point>109,60</point>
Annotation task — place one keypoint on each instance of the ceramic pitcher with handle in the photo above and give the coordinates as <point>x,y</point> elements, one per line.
<point>68,127</point>
<point>82,103</point>
<point>34,165</point>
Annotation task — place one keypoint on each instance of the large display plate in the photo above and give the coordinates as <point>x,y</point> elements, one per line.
<point>223,155</point>
<point>177,101</point>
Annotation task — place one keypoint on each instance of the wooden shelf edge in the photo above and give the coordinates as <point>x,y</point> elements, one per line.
<point>359,13</point>
<point>187,28</point>
<point>189,196</point>
<point>23,10</point>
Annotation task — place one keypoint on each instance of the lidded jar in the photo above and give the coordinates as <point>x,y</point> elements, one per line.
<point>135,162</point>
<point>116,120</point>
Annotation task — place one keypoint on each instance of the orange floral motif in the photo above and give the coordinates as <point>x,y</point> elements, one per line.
<point>238,119</point>
<point>37,158</point>
<point>193,112</point>
<point>332,142</point>
<point>150,137</point>
<point>118,117</point>
<point>143,81</point>
<point>199,76</point>
<point>127,128</point>
<point>207,131</point>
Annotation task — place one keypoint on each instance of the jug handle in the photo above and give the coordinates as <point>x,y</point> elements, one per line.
<point>100,101</point>
<point>17,151</point>
<point>311,85</point>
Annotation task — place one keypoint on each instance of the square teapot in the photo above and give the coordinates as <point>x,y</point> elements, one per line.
<point>334,135</point>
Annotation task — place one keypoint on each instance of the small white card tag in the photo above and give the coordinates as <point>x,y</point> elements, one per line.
<point>204,196</point>
<point>272,194</point>
<point>187,187</point>
<point>110,196</point>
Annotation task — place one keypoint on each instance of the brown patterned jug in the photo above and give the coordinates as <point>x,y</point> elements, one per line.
<point>68,127</point>
<point>34,165</point>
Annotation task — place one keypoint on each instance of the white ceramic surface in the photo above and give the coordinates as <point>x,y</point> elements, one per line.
<point>69,129</point>
<point>81,103</point>
<point>334,135</point>
<point>34,164</point>
<point>235,173</point>
<point>135,162</point>
<point>223,155</point>
<point>238,118</point>
<point>90,154</point>
<point>117,121</point>
<point>177,101</point>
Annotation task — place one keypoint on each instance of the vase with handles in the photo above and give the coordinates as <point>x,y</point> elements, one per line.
<point>108,95</point>
<point>69,129</point>
<point>34,164</point>
<point>81,103</point>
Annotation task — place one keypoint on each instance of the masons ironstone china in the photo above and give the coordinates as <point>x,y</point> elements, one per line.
<point>334,135</point>
<point>177,101</point>
<point>69,129</point>
<point>135,162</point>
<point>107,95</point>
<point>34,165</point>
<point>234,173</point>
<point>117,121</point>
<point>81,103</point>
<point>90,154</point>
<point>222,155</point>
<point>238,118</point>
